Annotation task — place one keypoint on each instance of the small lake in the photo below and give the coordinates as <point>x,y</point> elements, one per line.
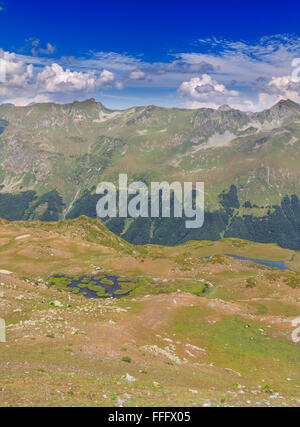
<point>275,264</point>
<point>109,290</point>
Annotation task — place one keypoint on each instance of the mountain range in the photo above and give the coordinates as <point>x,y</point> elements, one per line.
<point>52,157</point>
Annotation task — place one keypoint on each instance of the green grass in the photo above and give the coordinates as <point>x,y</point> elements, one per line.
<point>246,346</point>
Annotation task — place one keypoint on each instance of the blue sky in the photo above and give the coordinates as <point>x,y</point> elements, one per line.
<point>170,53</point>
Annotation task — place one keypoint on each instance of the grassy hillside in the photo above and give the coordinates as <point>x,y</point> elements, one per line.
<point>167,343</point>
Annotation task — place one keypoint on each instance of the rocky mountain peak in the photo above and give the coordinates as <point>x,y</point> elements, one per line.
<point>224,107</point>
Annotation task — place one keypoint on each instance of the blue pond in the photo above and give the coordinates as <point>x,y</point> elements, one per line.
<point>109,289</point>
<point>275,264</point>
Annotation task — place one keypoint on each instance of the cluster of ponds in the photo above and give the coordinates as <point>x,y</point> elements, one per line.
<point>110,286</point>
<point>99,287</point>
<point>109,290</point>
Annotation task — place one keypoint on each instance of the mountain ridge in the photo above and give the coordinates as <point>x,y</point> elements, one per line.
<point>91,101</point>
<point>52,156</point>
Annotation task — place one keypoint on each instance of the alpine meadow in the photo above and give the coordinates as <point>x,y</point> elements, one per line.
<point>149,207</point>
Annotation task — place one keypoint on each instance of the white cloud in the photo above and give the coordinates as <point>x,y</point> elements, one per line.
<point>21,101</point>
<point>48,51</point>
<point>55,79</point>
<point>206,90</point>
<point>106,78</point>
<point>112,60</point>
<point>249,76</point>
<point>266,100</point>
<point>137,75</point>
<point>284,85</point>
<point>239,104</point>
<point>119,85</point>
<point>247,66</point>
<point>17,74</point>
<point>34,43</point>
<point>26,82</point>
<point>260,72</point>
<point>279,88</point>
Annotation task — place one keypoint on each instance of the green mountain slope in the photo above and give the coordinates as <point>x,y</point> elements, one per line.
<point>52,157</point>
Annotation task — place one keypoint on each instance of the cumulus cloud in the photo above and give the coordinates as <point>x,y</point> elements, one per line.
<point>252,68</point>
<point>283,84</point>
<point>279,88</point>
<point>249,76</point>
<point>261,72</point>
<point>206,90</point>
<point>36,82</point>
<point>106,78</point>
<point>55,79</point>
<point>137,75</point>
<point>18,75</point>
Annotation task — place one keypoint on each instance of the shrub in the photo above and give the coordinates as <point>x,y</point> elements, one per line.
<point>251,283</point>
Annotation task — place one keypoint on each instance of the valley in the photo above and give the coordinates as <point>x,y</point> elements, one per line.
<point>198,329</point>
